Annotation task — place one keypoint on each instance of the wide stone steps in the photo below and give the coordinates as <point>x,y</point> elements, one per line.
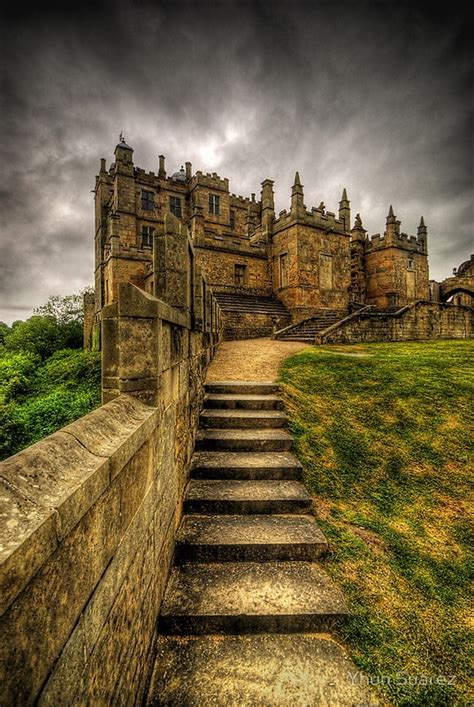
<point>271,440</point>
<point>246,577</point>
<point>308,329</point>
<point>262,670</point>
<point>243,419</point>
<point>212,496</point>
<point>248,304</point>
<point>249,538</point>
<point>250,465</point>
<point>234,401</point>
<point>250,597</point>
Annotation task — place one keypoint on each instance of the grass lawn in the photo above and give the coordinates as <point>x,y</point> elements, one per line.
<point>384,438</point>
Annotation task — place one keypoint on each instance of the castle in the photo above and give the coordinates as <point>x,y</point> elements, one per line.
<point>267,270</point>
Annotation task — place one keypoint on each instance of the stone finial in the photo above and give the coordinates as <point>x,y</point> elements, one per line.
<point>422,230</point>
<point>297,182</point>
<point>358,221</point>
<point>161,168</point>
<point>344,198</point>
<point>391,216</point>
<point>322,206</point>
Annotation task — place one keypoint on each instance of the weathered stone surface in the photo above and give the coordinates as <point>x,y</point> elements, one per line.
<point>245,465</point>
<point>250,597</point>
<point>285,670</point>
<point>252,537</point>
<point>242,419</point>
<point>29,537</point>
<point>59,473</point>
<point>206,496</point>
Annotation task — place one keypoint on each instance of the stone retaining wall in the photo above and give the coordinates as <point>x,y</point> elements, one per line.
<point>418,321</point>
<point>89,513</point>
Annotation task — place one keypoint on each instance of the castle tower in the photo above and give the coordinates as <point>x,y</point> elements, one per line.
<point>422,233</point>
<point>298,208</point>
<point>345,211</point>
<point>268,209</point>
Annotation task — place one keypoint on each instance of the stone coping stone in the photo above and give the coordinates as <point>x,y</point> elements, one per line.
<point>48,487</point>
<point>294,670</point>
<point>257,538</point>
<point>250,597</point>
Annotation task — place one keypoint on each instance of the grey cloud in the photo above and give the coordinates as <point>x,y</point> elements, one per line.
<point>373,96</point>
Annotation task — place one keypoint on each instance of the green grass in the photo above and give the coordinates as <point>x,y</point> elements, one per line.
<point>385,443</point>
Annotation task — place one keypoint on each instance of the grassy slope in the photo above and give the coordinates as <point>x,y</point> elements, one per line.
<point>385,445</point>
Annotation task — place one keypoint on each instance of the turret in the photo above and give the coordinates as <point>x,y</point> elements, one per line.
<point>392,228</point>
<point>345,211</point>
<point>268,208</point>
<point>423,235</point>
<point>123,157</point>
<point>297,204</point>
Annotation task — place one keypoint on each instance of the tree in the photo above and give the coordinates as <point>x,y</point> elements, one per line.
<point>4,329</point>
<point>38,335</point>
<point>65,309</point>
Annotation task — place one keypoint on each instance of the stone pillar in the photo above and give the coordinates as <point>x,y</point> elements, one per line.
<point>268,209</point>
<point>161,169</point>
<point>171,262</point>
<point>131,341</point>
<point>345,211</point>
<point>198,313</point>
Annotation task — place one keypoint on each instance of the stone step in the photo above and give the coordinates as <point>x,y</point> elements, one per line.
<point>231,497</point>
<point>243,419</point>
<point>250,597</point>
<point>245,387</point>
<point>245,465</point>
<point>232,401</point>
<point>287,670</point>
<point>259,538</point>
<point>271,440</point>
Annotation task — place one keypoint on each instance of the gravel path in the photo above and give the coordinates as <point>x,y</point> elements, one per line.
<point>251,359</point>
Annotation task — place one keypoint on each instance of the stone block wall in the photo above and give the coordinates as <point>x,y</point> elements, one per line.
<point>418,321</point>
<point>90,512</point>
<point>242,325</point>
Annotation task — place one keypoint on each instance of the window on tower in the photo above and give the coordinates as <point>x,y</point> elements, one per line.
<point>240,274</point>
<point>148,200</point>
<point>175,206</point>
<point>232,219</point>
<point>147,236</point>
<point>214,204</point>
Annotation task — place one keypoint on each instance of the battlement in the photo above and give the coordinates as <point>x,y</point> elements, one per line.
<point>211,181</point>
<point>316,218</point>
<point>402,240</point>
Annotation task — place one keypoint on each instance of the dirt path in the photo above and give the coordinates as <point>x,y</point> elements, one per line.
<point>251,359</point>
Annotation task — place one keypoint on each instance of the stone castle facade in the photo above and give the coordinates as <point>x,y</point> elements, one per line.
<point>289,266</point>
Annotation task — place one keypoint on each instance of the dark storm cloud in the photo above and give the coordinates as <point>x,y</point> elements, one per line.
<point>373,96</point>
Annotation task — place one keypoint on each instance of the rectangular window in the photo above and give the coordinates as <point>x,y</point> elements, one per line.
<point>148,200</point>
<point>147,236</point>
<point>239,274</point>
<point>232,220</point>
<point>175,206</point>
<point>411,264</point>
<point>214,205</point>
<point>284,270</point>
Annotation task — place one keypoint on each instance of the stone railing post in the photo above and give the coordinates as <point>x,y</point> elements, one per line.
<point>171,263</point>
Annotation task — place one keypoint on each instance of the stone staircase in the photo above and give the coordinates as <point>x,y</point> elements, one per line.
<point>246,596</point>
<point>308,329</point>
<point>250,316</point>
<point>251,304</point>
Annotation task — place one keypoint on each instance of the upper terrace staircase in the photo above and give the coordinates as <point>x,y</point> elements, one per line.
<point>247,316</point>
<point>308,329</point>
<point>246,594</point>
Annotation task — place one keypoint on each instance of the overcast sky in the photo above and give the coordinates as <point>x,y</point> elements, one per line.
<point>371,96</point>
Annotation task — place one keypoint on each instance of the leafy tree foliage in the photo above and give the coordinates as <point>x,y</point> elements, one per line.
<point>46,380</point>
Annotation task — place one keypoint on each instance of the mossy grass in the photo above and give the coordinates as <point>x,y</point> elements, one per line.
<point>384,437</point>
